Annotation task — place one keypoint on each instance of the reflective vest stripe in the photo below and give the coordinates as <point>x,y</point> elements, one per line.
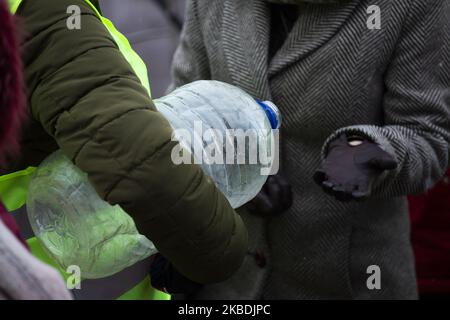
<point>13,188</point>
<point>14,5</point>
<point>131,283</point>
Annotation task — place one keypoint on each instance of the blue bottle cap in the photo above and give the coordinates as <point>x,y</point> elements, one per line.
<point>272,112</point>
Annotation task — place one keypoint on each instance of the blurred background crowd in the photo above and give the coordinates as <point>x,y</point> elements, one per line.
<point>154,26</point>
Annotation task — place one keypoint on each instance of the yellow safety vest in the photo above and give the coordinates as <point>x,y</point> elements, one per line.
<point>14,186</point>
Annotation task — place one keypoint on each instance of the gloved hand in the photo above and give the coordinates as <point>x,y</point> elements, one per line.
<point>274,198</point>
<point>351,167</point>
<point>165,278</point>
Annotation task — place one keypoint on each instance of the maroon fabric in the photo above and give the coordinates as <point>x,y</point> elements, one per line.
<point>430,218</point>
<point>12,107</point>
<point>10,223</point>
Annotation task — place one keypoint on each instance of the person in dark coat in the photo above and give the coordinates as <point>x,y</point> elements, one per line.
<point>364,89</point>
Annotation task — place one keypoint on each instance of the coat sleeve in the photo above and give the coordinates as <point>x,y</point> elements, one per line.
<point>416,104</point>
<point>86,96</point>
<point>190,61</point>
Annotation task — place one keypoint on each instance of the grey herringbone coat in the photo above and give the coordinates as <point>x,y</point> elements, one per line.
<point>333,75</point>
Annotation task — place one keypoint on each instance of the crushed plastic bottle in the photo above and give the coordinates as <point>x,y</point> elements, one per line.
<point>76,227</point>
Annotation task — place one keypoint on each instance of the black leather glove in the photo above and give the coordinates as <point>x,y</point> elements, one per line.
<point>351,167</point>
<point>165,278</point>
<point>274,198</point>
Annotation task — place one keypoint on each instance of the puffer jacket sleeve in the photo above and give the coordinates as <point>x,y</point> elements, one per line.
<point>190,61</point>
<point>85,95</point>
<point>416,129</point>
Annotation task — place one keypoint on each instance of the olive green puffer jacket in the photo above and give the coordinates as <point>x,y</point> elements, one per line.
<point>85,99</point>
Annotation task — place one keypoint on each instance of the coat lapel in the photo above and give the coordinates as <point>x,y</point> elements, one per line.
<point>245,33</point>
<point>316,25</point>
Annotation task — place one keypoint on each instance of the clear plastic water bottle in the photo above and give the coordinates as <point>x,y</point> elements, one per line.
<point>76,227</point>
<point>229,133</point>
